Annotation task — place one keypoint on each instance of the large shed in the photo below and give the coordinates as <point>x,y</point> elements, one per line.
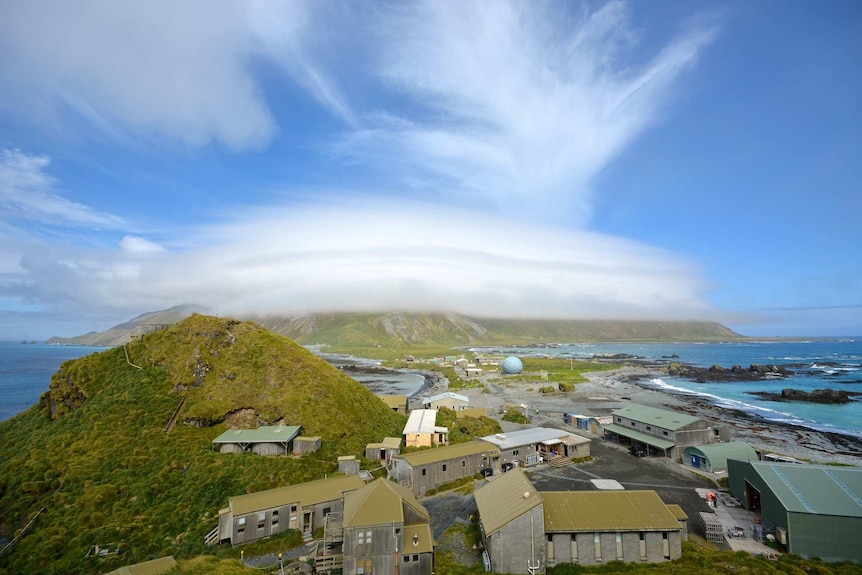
<point>713,457</point>
<point>816,510</point>
<point>265,440</point>
<point>530,446</point>
<point>428,469</point>
<point>663,431</point>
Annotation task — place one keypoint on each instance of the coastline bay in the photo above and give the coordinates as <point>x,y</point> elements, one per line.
<point>816,364</point>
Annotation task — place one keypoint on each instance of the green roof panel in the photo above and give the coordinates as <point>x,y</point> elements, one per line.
<point>663,418</point>
<point>639,436</point>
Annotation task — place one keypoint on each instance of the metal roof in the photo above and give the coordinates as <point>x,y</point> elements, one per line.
<point>387,443</point>
<point>380,502</point>
<point>574,511</point>
<point>718,453</point>
<point>154,567</point>
<point>424,542</point>
<point>677,511</point>
<point>672,420</point>
<point>437,454</point>
<point>421,421</point>
<point>639,436</point>
<point>504,499</point>
<point>263,434</point>
<point>531,436</point>
<point>820,489</point>
<point>394,401</point>
<point>306,494</point>
<point>445,395</point>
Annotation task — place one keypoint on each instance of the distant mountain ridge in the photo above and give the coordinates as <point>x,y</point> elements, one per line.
<point>408,329</point>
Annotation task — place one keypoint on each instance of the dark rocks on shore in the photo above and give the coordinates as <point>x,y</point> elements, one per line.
<point>717,373</point>
<point>832,396</point>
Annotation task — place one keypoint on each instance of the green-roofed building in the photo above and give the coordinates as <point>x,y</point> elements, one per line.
<point>713,457</point>
<point>663,432</point>
<point>303,506</point>
<point>511,517</point>
<point>422,471</point>
<point>264,440</point>
<point>386,531</point>
<point>816,510</point>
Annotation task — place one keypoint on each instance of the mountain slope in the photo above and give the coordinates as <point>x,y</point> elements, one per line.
<point>405,330</point>
<point>95,454</point>
<point>398,329</point>
<point>120,334</point>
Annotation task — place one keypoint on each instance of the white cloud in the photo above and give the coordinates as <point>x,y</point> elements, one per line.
<point>138,245</point>
<point>28,194</point>
<point>521,105</point>
<point>179,70</point>
<point>378,257</point>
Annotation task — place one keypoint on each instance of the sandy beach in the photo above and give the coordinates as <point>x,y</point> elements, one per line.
<point>610,390</point>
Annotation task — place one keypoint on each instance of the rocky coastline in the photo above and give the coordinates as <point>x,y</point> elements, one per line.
<point>828,396</point>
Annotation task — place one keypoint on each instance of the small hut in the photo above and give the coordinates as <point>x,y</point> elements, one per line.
<point>303,445</point>
<point>348,465</point>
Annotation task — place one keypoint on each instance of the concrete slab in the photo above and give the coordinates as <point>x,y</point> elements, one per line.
<point>607,484</point>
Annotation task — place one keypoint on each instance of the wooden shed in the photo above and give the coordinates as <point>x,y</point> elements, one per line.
<point>385,450</point>
<point>348,465</point>
<point>303,445</point>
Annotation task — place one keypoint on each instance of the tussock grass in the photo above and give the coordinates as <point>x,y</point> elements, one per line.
<point>94,451</point>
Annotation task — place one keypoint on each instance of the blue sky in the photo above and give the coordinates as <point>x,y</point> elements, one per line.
<point>660,160</point>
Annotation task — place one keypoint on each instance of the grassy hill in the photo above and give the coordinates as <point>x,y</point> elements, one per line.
<point>401,330</point>
<point>94,452</point>
<point>405,330</point>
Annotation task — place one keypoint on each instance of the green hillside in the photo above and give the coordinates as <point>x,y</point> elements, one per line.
<point>405,330</point>
<point>94,453</point>
<point>411,330</point>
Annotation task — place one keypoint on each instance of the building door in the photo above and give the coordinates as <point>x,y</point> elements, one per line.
<point>752,497</point>
<point>306,521</point>
<point>695,461</point>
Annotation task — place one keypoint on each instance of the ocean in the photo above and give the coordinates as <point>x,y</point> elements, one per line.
<point>816,364</point>
<point>26,370</point>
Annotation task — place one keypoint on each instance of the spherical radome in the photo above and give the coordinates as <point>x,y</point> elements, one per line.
<point>512,365</point>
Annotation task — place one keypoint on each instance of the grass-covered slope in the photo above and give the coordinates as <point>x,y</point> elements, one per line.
<point>416,330</point>
<point>95,454</point>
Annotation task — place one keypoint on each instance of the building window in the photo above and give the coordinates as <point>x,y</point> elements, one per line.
<point>550,547</point>
<point>463,463</point>
<point>407,558</point>
<point>363,566</point>
<point>415,558</point>
<point>619,420</point>
<point>597,543</point>
<point>261,516</point>
<point>275,514</point>
<point>633,423</point>
<point>327,511</point>
<point>241,521</point>
<point>514,452</point>
<point>619,541</point>
<point>665,544</point>
<point>648,428</point>
<point>293,508</point>
<point>423,472</point>
<point>664,432</point>
<point>574,548</point>
<point>444,467</point>
<point>363,537</point>
<point>643,546</point>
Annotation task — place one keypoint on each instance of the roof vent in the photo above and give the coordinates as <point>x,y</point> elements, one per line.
<point>526,494</point>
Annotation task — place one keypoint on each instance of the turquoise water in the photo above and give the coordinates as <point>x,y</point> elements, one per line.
<point>26,370</point>
<point>817,364</point>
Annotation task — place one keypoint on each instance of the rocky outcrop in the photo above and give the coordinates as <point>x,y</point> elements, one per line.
<point>717,373</point>
<point>832,396</point>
